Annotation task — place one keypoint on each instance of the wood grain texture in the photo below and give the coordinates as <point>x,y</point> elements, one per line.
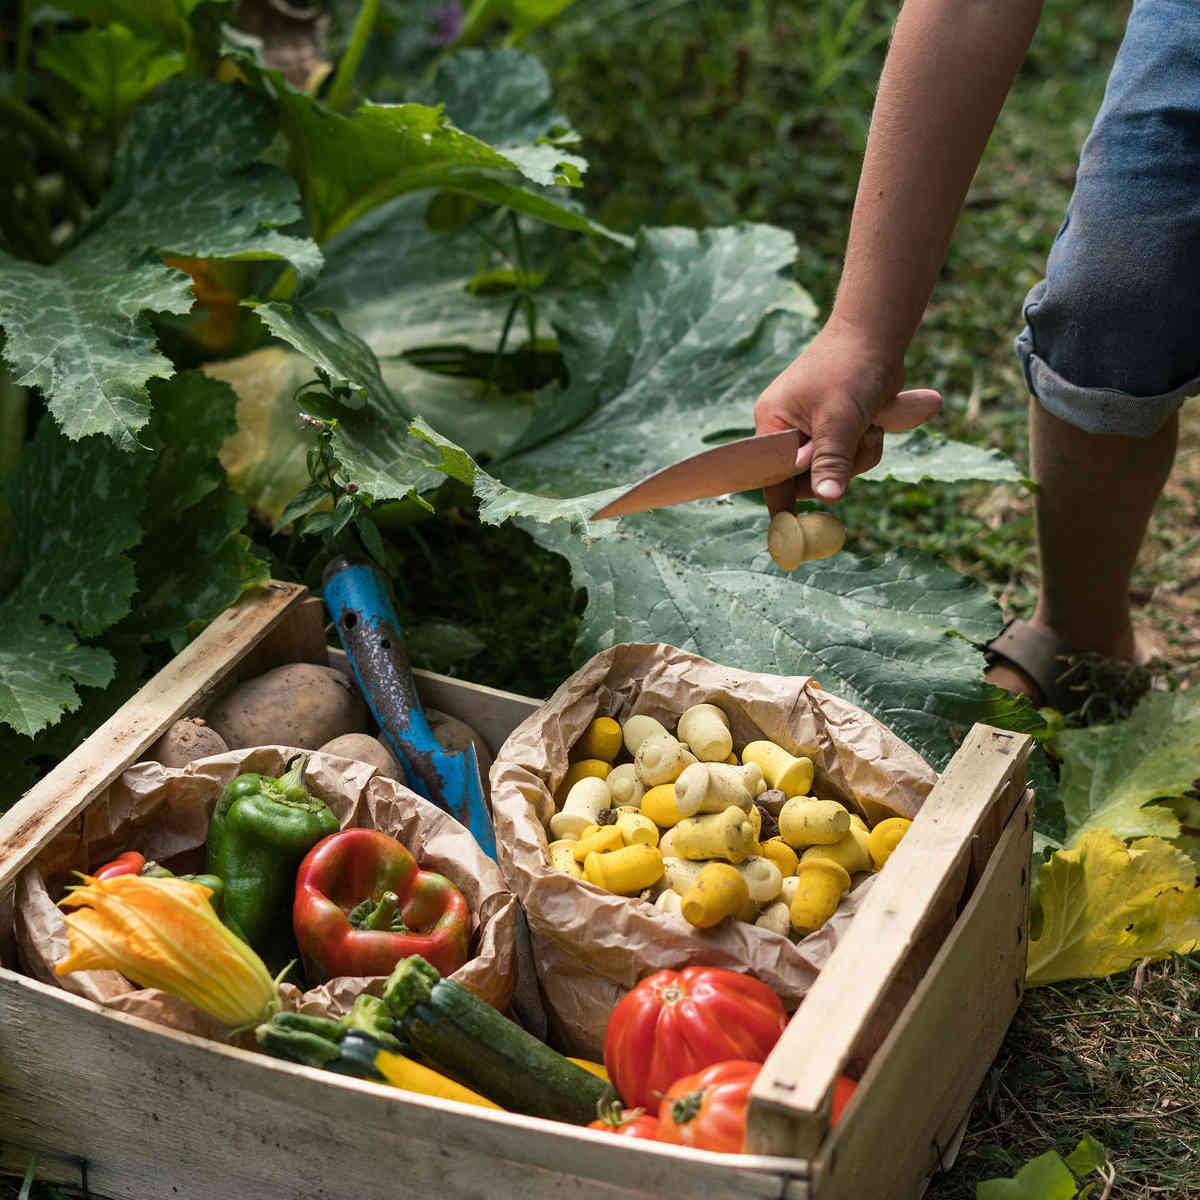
<point>161,1115</point>
<point>178,689</point>
<point>921,884</point>
<point>942,1045</point>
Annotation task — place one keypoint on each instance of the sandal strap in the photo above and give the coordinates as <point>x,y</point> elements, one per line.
<point>1042,656</point>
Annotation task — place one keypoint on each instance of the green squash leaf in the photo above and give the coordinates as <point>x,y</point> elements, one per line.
<point>1046,1177</point>
<point>503,97</point>
<point>1112,773</point>
<point>428,302</point>
<point>672,354</point>
<point>349,165</point>
<point>112,68</point>
<point>180,593</point>
<point>1104,906</point>
<point>880,631</point>
<point>40,666</point>
<point>920,455</point>
<point>186,185</point>
<point>76,507</point>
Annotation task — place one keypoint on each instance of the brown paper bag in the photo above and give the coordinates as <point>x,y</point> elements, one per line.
<point>591,946</point>
<point>164,813</point>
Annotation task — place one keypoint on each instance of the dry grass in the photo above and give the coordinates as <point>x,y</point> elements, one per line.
<point>1118,1058</point>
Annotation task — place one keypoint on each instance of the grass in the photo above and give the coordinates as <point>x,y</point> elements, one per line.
<point>1117,1058</point>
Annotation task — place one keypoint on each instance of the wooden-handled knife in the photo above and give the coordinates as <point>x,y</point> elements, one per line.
<point>740,466</point>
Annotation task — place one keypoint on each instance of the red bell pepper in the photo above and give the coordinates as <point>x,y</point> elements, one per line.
<point>362,905</point>
<point>129,863</point>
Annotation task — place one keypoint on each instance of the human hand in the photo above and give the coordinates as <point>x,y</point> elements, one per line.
<point>844,395</point>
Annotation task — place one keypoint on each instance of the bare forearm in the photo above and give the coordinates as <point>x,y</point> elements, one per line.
<point>949,68</point>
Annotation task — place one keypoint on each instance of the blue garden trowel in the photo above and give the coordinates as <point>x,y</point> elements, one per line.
<point>357,599</point>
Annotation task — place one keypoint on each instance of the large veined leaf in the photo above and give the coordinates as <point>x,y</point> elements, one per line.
<point>113,68</point>
<point>40,666</point>
<point>503,98</point>
<point>880,632</point>
<point>1112,773</point>
<point>917,455</point>
<point>76,507</point>
<point>673,353</point>
<point>186,184</point>
<point>398,284</point>
<point>349,165</point>
<point>1104,906</point>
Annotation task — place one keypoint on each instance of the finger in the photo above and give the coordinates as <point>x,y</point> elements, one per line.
<point>870,450</point>
<point>781,497</point>
<point>835,441</point>
<point>868,455</point>
<point>909,409</point>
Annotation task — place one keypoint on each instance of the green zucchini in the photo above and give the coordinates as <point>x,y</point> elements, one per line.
<point>466,1038</point>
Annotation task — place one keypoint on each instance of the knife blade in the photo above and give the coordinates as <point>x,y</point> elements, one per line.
<point>739,466</point>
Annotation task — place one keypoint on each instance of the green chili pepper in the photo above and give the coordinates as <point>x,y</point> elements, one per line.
<point>260,830</point>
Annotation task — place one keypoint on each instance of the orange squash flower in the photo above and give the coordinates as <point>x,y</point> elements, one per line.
<point>163,933</point>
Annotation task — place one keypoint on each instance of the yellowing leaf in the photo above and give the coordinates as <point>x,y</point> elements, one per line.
<point>1106,905</point>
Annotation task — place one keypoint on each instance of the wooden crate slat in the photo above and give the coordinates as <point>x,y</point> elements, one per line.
<point>943,1043</point>
<point>789,1108</point>
<point>65,792</point>
<point>130,1097</point>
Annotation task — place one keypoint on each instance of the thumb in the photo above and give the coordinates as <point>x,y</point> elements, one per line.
<point>835,440</point>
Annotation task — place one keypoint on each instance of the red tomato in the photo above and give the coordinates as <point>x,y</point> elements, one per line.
<point>628,1122</point>
<point>129,863</point>
<point>707,1110</point>
<point>843,1089</point>
<point>675,1023</point>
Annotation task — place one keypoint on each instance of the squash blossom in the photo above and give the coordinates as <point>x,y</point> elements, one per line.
<point>163,933</point>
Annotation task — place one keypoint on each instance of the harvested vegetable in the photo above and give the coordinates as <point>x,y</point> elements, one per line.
<point>301,704</point>
<point>821,883</point>
<point>707,1110</point>
<point>164,933</point>
<point>261,829</point>
<point>320,1042</point>
<point>361,747</point>
<point>626,1122</point>
<point>673,1023</point>
<point>362,905</point>
<point>457,1032</point>
<point>186,740</point>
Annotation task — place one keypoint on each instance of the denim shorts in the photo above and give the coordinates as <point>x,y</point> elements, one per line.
<point>1112,336</point>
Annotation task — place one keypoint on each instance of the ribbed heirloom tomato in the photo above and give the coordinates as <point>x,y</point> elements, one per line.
<point>674,1023</point>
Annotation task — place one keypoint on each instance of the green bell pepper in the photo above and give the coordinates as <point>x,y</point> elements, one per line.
<point>260,830</point>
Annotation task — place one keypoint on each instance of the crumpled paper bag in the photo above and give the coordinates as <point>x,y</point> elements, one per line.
<point>164,813</point>
<point>592,946</point>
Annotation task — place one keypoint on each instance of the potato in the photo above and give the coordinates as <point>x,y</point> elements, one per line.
<point>302,705</point>
<point>188,739</point>
<point>363,748</point>
<point>454,736</point>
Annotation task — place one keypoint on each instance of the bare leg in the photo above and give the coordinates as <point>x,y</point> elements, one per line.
<point>1097,495</point>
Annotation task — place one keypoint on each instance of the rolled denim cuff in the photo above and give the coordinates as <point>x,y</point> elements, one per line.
<point>1096,409</point>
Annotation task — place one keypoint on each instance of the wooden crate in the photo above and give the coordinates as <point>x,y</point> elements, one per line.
<point>126,1108</point>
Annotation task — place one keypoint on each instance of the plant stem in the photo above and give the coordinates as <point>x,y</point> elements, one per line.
<point>343,80</point>
<point>50,139</point>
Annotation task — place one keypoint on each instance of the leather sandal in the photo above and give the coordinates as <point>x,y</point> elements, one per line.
<point>1066,678</point>
<point>1042,657</point>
